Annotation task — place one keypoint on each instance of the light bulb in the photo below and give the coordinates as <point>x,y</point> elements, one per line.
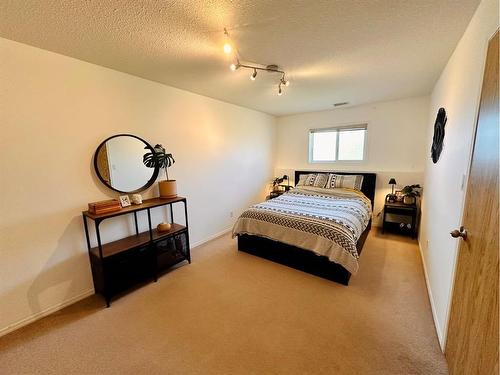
<point>232,67</point>
<point>227,48</point>
<point>283,81</point>
<point>254,75</point>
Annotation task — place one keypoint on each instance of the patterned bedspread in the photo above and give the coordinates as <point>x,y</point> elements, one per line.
<point>328,222</point>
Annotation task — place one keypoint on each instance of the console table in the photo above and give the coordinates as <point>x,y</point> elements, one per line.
<point>121,264</point>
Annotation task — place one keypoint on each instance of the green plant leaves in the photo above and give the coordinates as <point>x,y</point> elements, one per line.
<point>163,160</point>
<point>410,190</point>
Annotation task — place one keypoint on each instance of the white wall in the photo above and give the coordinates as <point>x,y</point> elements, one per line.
<point>395,142</point>
<point>457,90</point>
<point>54,112</point>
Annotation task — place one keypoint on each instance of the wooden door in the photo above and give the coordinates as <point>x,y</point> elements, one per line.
<point>472,344</point>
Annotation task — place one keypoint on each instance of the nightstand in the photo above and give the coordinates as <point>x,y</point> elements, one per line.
<point>400,217</point>
<point>274,194</point>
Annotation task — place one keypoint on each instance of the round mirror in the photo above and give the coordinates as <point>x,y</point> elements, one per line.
<point>118,162</point>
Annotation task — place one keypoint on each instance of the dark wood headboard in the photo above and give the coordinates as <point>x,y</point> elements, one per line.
<point>368,187</point>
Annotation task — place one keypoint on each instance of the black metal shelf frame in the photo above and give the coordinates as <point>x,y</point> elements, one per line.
<point>98,221</point>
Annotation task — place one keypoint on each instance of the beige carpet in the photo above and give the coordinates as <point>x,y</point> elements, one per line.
<point>233,313</point>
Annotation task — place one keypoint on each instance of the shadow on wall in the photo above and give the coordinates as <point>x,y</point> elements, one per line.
<point>61,318</point>
<point>64,270</point>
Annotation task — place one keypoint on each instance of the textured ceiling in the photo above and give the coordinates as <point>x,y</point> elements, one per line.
<point>355,51</point>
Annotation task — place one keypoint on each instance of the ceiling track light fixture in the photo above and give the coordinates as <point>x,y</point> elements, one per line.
<point>284,81</point>
<point>228,48</point>
<point>254,75</point>
<point>269,68</point>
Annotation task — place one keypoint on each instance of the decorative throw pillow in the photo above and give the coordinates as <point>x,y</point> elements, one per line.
<point>310,179</point>
<point>330,183</point>
<point>349,181</point>
<point>302,179</point>
<point>313,179</point>
<point>320,180</point>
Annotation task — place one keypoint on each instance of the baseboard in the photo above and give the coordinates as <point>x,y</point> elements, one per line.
<point>30,319</point>
<point>431,300</point>
<point>212,237</point>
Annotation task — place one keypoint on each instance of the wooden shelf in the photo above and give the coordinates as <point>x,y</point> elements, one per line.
<point>401,205</point>
<point>138,257</point>
<point>147,203</point>
<point>127,243</point>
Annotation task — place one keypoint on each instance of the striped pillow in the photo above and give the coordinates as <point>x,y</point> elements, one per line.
<point>313,179</point>
<point>349,181</point>
<point>302,179</point>
<point>320,181</point>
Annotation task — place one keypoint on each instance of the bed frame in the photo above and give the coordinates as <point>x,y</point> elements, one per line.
<point>305,260</point>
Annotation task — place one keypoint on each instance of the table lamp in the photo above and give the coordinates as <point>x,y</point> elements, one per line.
<point>392,182</point>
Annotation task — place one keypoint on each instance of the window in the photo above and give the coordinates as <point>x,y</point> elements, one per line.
<point>337,144</point>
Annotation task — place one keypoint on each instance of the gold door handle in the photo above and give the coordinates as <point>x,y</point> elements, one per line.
<point>459,233</point>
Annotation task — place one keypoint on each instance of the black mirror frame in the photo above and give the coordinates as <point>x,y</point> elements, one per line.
<point>144,187</point>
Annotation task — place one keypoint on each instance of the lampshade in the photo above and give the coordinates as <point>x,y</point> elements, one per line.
<point>392,181</point>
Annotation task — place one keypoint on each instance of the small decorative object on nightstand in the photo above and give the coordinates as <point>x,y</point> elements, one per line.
<point>401,218</point>
<point>399,196</point>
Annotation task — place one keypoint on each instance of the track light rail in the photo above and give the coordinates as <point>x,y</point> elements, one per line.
<point>228,49</point>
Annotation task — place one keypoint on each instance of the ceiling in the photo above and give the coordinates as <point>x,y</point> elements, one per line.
<point>355,51</point>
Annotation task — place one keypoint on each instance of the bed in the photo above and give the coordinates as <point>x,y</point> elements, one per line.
<point>316,230</point>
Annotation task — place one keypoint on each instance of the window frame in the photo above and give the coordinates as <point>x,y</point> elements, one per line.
<point>354,126</point>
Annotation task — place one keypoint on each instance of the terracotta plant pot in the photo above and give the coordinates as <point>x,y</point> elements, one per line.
<point>168,188</point>
<point>408,199</point>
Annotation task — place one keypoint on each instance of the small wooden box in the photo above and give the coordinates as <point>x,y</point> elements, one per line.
<point>101,207</point>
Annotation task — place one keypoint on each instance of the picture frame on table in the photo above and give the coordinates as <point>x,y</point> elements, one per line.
<point>399,196</point>
<point>124,201</point>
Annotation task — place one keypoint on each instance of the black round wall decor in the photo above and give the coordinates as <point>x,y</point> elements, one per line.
<point>437,140</point>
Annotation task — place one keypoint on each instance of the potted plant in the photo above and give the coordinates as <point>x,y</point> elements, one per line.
<point>168,187</point>
<point>410,193</point>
